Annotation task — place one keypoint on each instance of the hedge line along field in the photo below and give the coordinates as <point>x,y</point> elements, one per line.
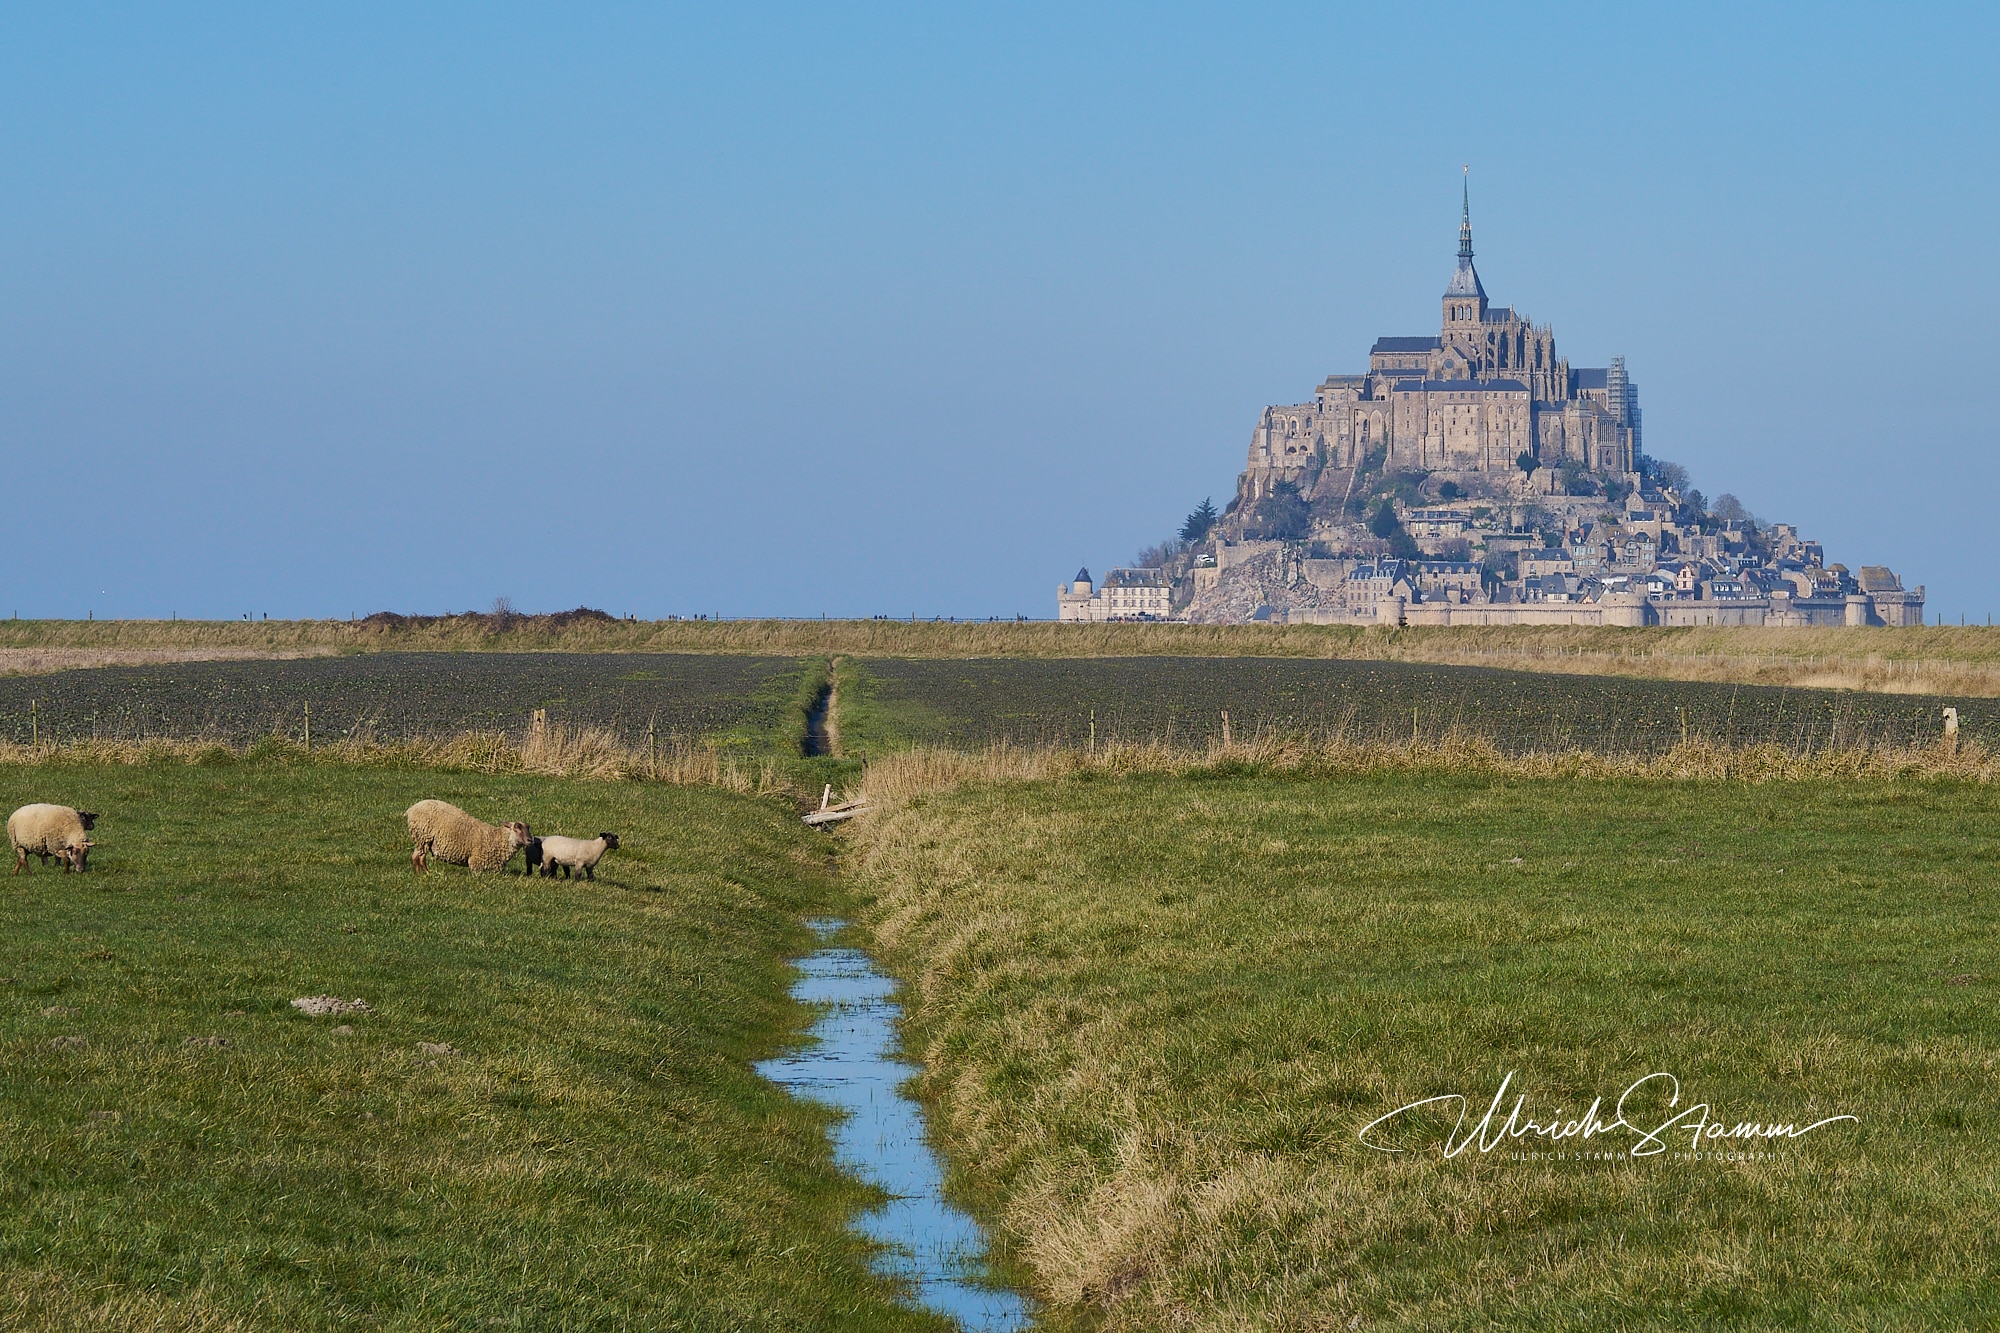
<point>891,703</point>
<point>744,701</point>
<point>1156,1014</point>
<point>547,1118</point>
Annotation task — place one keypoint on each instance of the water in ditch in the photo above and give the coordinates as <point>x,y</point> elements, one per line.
<point>818,739</point>
<point>851,1064</point>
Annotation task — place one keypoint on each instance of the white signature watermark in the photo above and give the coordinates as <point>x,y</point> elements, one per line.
<point>1697,1121</point>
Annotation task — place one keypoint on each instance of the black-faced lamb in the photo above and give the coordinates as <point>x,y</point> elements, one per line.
<point>51,830</point>
<point>443,832</point>
<point>575,853</point>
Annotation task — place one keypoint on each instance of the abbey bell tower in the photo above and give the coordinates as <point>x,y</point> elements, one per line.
<point>1465,299</point>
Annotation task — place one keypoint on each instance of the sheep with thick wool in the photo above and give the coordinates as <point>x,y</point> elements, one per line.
<point>577,853</point>
<point>51,830</point>
<point>443,832</point>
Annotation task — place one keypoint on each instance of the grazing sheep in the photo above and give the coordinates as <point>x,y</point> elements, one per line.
<point>76,857</point>
<point>51,830</point>
<point>441,832</point>
<point>568,853</point>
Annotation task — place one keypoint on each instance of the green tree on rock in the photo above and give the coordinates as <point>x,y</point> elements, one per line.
<point>1383,522</point>
<point>1200,521</point>
<point>1283,515</point>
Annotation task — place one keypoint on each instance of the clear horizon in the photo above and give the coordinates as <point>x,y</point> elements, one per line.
<point>783,312</point>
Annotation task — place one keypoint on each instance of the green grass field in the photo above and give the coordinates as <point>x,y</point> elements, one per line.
<point>180,1148</point>
<point>1155,1009</point>
<point>1155,1013</point>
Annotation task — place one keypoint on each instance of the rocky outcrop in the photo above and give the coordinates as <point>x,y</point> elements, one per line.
<point>1269,579</point>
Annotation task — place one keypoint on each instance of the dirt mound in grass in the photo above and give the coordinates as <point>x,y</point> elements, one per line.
<point>319,1006</point>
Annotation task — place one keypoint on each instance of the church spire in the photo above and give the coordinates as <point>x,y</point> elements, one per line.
<point>1465,218</point>
<point>1465,282</point>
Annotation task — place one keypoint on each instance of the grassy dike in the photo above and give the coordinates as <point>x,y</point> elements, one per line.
<point>180,1148</point>
<point>1156,1010</point>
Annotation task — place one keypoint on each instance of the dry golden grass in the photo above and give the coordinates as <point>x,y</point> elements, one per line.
<point>598,754</point>
<point>59,1303</point>
<point>1946,661</point>
<point>899,776</point>
<point>835,669</point>
<point>587,753</point>
<point>41,661</point>
<point>1962,660</point>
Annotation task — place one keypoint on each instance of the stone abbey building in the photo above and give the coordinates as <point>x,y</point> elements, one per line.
<point>1477,478</point>
<point>1465,404</point>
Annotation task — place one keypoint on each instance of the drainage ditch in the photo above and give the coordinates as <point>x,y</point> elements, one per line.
<point>853,1065</point>
<point>818,740</point>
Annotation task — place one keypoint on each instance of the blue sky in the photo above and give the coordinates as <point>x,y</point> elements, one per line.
<point>320,311</point>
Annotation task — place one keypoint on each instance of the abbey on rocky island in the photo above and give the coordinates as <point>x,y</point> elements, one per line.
<point>1465,405</point>
<point>1477,478</point>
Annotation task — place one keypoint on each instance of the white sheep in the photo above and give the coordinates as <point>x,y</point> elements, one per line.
<point>51,830</point>
<point>442,832</point>
<point>575,853</point>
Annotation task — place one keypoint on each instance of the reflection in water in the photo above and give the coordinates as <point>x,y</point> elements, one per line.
<point>852,1066</point>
